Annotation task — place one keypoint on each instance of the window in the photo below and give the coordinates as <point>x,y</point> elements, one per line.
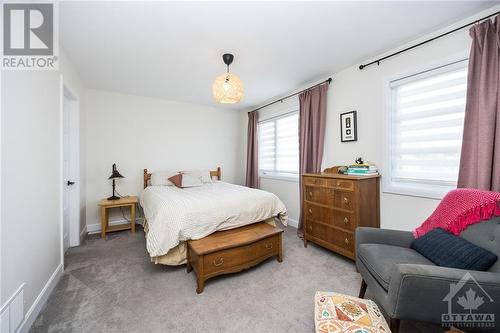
<point>279,145</point>
<point>425,129</point>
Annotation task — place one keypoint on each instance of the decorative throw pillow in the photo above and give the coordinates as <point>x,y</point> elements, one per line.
<point>176,180</point>
<point>160,178</point>
<point>447,250</point>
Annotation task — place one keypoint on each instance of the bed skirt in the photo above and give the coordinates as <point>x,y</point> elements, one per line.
<point>178,255</point>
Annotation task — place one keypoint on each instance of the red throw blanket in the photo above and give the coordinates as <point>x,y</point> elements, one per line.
<point>461,208</point>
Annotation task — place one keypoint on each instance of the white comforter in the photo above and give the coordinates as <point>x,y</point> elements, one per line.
<point>176,215</point>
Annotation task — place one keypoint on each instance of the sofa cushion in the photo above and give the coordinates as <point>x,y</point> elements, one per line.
<point>381,260</point>
<point>447,250</point>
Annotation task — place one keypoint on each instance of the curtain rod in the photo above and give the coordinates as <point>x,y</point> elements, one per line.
<point>426,41</point>
<point>329,80</point>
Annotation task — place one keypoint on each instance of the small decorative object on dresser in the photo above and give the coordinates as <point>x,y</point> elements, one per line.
<point>335,204</point>
<point>348,126</point>
<point>106,204</point>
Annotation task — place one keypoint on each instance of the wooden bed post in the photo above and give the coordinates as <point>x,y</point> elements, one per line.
<point>147,177</point>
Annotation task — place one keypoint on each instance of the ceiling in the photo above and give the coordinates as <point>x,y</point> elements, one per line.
<point>173,50</point>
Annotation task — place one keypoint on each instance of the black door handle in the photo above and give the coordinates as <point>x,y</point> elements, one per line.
<point>69,183</point>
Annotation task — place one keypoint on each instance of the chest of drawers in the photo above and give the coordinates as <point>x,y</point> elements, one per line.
<point>333,205</point>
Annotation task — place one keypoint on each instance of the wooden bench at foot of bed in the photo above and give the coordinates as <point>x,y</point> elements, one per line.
<point>232,251</point>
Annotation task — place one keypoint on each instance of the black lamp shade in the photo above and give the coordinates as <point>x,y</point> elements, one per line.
<point>115,173</point>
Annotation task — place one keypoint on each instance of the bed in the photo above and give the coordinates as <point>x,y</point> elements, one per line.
<point>174,215</point>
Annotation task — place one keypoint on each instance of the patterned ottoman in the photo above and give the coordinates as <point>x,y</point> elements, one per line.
<point>335,312</point>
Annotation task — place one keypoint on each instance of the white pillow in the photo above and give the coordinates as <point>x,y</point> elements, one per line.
<point>190,181</point>
<point>160,178</point>
<point>203,175</point>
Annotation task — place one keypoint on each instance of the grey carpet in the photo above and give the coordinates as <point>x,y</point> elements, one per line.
<point>110,286</point>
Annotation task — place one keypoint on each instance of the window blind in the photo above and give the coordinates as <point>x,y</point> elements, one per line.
<point>279,144</point>
<point>427,125</point>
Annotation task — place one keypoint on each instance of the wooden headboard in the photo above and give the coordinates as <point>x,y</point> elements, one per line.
<point>147,176</point>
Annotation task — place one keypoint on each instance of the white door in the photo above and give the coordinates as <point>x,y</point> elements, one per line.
<point>70,170</point>
<point>67,181</point>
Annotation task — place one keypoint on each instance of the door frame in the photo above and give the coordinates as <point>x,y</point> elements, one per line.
<point>66,91</point>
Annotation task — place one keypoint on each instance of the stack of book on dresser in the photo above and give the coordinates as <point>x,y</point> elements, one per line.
<point>362,169</point>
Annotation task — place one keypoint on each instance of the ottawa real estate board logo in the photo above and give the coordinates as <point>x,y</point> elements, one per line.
<point>30,38</point>
<point>469,305</point>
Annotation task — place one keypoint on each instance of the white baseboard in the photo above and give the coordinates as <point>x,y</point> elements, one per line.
<point>40,301</point>
<point>293,223</point>
<point>96,227</point>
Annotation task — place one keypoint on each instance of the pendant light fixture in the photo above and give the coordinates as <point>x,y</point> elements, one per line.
<point>227,88</point>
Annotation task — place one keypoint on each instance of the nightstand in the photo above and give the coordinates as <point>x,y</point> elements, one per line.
<point>122,202</point>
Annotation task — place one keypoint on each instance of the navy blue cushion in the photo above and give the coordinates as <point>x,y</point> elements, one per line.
<point>447,250</point>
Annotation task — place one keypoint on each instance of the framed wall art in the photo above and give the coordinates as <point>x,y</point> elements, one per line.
<point>348,127</point>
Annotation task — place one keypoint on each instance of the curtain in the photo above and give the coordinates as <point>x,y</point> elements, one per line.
<point>312,118</point>
<point>252,177</point>
<point>480,159</point>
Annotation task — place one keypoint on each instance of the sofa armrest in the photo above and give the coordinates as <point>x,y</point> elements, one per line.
<point>426,292</point>
<point>365,235</point>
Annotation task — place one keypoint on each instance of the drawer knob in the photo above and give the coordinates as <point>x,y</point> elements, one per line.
<point>346,220</point>
<point>338,184</point>
<point>269,246</point>
<point>217,264</point>
<point>310,194</point>
<point>346,199</point>
<point>310,227</point>
<point>346,241</point>
<point>310,211</point>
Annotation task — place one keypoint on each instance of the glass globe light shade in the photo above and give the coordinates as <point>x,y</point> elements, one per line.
<point>228,89</point>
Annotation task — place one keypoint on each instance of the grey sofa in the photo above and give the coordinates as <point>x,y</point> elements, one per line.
<point>410,287</point>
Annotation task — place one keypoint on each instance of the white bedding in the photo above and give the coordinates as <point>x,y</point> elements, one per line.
<point>175,215</point>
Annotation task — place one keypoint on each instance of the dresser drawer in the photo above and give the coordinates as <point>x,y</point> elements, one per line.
<point>320,195</point>
<point>315,181</point>
<point>343,239</point>
<point>318,230</point>
<point>318,213</point>
<point>344,220</point>
<point>341,184</point>
<point>221,260</point>
<point>344,200</point>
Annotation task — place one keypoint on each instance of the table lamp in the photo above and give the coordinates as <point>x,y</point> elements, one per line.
<point>114,175</point>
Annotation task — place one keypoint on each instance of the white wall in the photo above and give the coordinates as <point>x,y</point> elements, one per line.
<point>31,184</point>
<point>353,89</point>
<point>139,132</point>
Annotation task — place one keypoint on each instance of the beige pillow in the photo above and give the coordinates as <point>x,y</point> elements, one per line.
<point>190,181</point>
<point>160,178</point>
<point>203,175</point>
